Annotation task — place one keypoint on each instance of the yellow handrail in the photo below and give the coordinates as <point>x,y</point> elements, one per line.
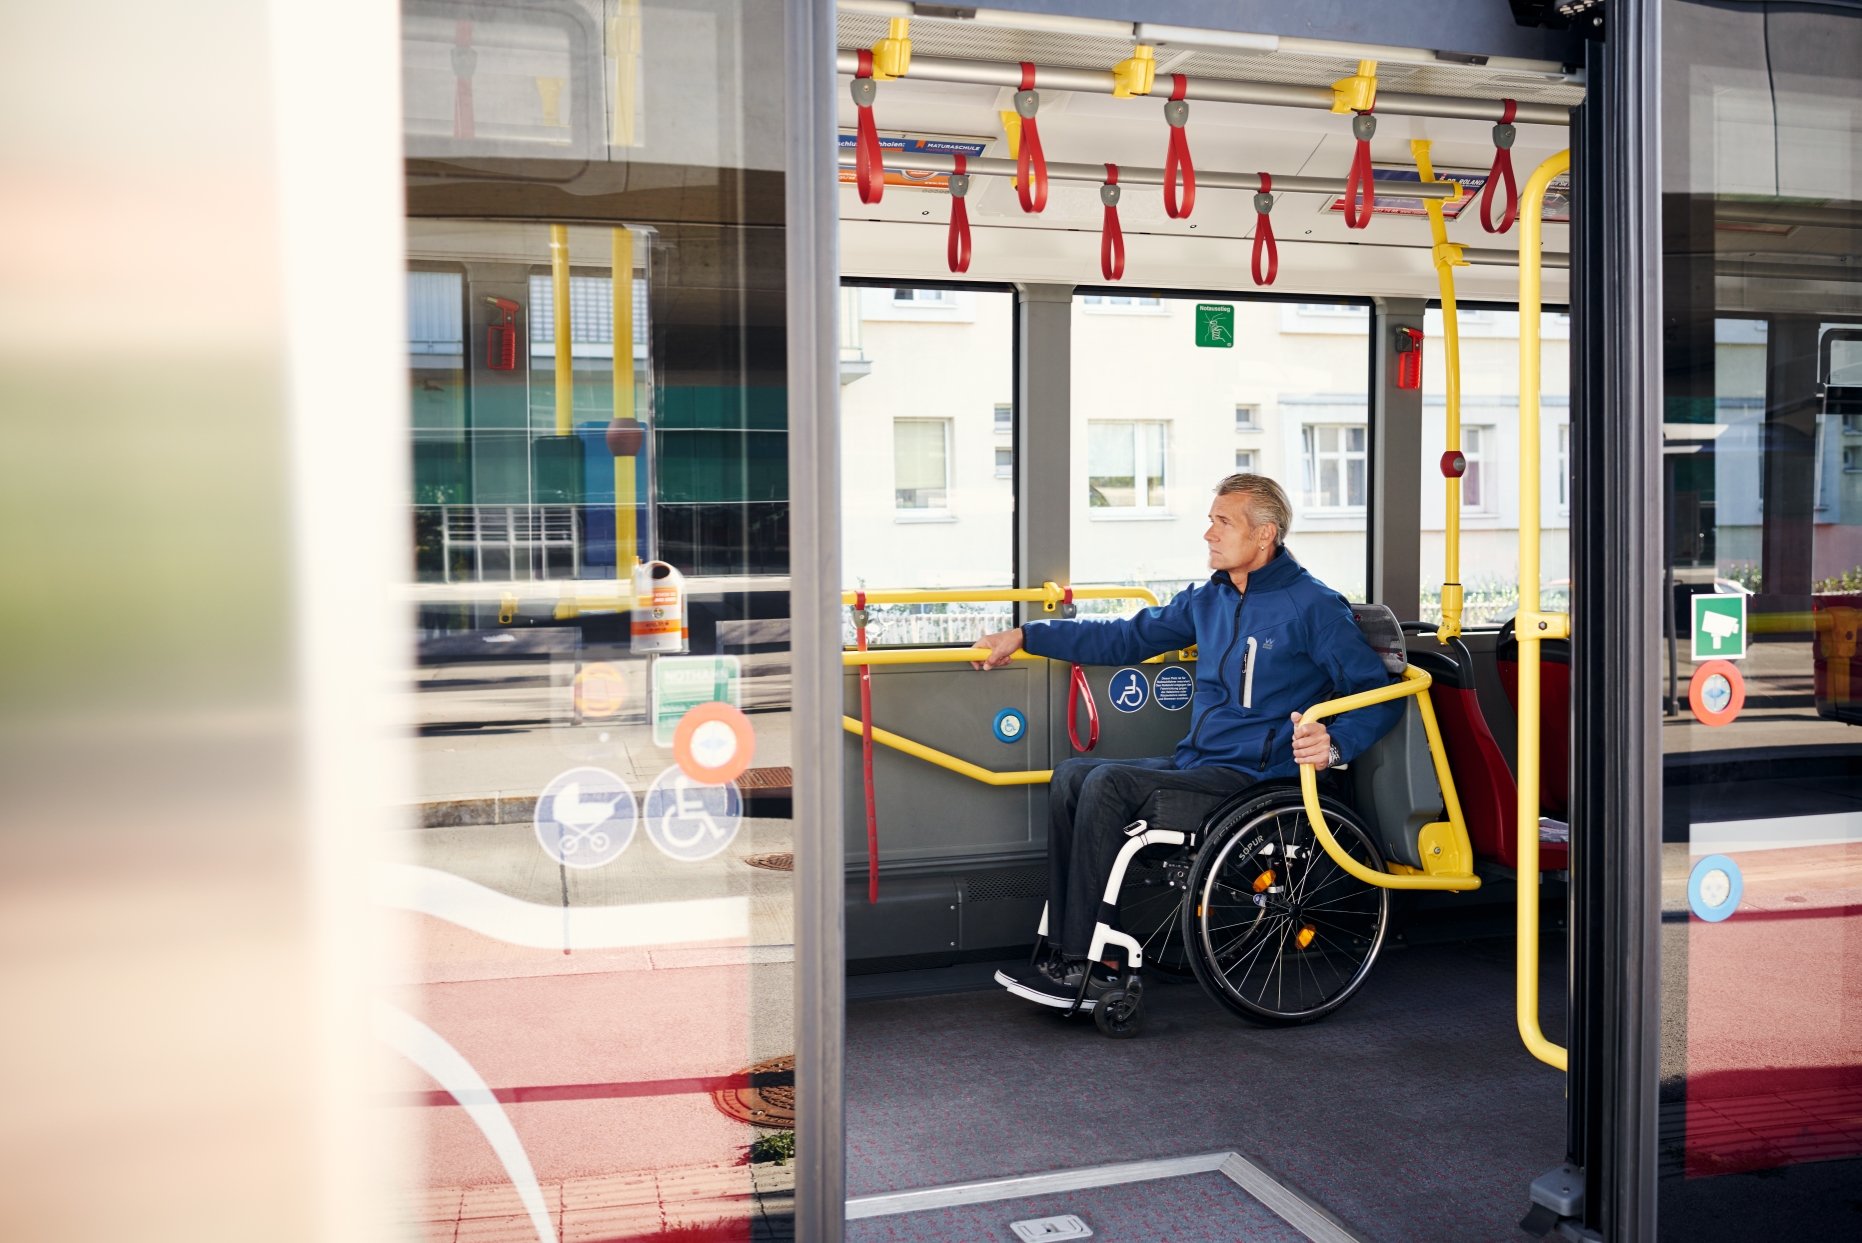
<point>1530,626</point>
<point>930,755</point>
<point>1447,855</point>
<point>1050,595</point>
<point>1447,257</point>
<point>559,295</point>
<point>924,656</point>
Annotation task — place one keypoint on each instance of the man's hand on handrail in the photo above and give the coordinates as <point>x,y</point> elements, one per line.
<point>1002,645</point>
<point>1311,744</point>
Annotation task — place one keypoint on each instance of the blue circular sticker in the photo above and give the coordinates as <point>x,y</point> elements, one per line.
<point>585,817</point>
<point>1128,690</point>
<point>1714,887</point>
<point>1173,687</point>
<point>1010,725</point>
<point>689,820</point>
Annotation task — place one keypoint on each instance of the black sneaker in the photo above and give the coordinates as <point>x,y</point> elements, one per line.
<point>1055,981</point>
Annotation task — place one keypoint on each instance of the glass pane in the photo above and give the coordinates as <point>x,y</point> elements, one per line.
<point>1154,441</point>
<point>1111,456</point>
<point>1490,440</point>
<point>1761,844</point>
<point>593,915</point>
<point>1292,378</point>
<point>918,455</point>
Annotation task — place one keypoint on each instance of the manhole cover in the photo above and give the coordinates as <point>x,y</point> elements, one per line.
<point>768,1099</point>
<point>782,862</point>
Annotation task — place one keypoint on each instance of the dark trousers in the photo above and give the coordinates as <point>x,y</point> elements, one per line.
<point>1089,804</point>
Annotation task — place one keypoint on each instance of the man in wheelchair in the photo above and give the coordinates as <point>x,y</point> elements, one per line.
<point>1271,640</point>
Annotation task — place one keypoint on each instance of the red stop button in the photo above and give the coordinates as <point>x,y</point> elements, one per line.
<point>1454,464</point>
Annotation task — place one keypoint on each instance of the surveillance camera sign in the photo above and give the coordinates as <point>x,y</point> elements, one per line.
<point>1719,627</point>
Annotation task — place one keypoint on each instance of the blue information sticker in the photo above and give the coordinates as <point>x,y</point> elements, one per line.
<point>1173,687</point>
<point>689,820</point>
<point>1714,888</point>
<point>1128,690</point>
<point>1010,725</point>
<point>585,817</point>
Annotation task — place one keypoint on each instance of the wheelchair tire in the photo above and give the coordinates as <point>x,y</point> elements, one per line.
<point>1150,908</point>
<point>1260,883</point>
<point>1118,1014</point>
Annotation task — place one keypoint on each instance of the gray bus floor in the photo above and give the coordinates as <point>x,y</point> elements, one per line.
<point>1412,1113</point>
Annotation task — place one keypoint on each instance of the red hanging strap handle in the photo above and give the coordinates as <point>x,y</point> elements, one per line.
<point>958,252</point>
<point>869,165</point>
<point>1078,689</point>
<point>1360,189</point>
<point>1264,232</point>
<point>1177,159</point>
<point>1502,170</point>
<point>866,753</point>
<point>1030,160</point>
<point>1111,241</point>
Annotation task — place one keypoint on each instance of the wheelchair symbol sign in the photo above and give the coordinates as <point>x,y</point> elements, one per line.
<point>1175,687</point>
<point>689,820</point>
<point>1128,690</point>
<point>585,817</point>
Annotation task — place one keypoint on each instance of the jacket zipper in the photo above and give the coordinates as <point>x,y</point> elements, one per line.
<point>1222,667</point>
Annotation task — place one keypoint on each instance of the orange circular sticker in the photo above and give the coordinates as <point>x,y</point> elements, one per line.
<point>713,743</point>
<point>1716,693</point>
<point>598,690</point>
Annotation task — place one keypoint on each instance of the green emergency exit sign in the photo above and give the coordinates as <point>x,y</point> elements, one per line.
<point>1215,326</point>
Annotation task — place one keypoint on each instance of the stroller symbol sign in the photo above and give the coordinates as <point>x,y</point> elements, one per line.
<point>689,820</point>
<point>1128,690</point>
<point>585,817</point>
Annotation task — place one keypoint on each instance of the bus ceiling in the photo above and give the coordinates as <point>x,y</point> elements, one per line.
<point>1126,123</point>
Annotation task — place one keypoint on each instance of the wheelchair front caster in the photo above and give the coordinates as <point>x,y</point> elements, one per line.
<point>1119,1014</point>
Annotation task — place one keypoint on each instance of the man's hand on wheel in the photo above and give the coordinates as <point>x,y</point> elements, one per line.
<point>1002,645</point>
<point>1311,744</point>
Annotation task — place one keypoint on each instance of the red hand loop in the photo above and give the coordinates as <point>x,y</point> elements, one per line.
<point>1502,171</point>
<point>1030,161</point>
<point>1111,246</point>
<point>1360,192</point>
<point>1176,160</point>
<point>869,165</point>
<point>1180,85</point>
<point>1078,688</point>
<point>1264,238</point>
<point>958,251</point>
<point>866,753</point>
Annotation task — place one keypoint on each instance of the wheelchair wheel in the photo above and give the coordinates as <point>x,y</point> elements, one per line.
<point>1119,1014</point>
<point>1276,931</point>
<point>1150,908</point>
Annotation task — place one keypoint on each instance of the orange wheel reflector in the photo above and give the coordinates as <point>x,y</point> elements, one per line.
<point>1307,933</point>
<point>1262,881</point>
<point>713,743</point>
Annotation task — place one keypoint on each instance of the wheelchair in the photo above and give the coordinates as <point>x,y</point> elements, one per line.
<point>1267,919</point>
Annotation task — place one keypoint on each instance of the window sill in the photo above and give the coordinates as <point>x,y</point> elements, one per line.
<point>923,515</point>
<point>1106,513</point>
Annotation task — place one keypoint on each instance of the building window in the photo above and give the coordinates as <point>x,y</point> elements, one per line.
<point>1125,465</point>
<point>1119,305</point>
<point>921,463</point>
<point>1335,464</point>
<point>1564,467</point>
<point>1005,419</point>
<point>1475,441</point>
<point>1247,418</point>
<point>924,297</point>
<point>1005,463</point>
<point>1852,425</point>
<point>1244,461</point>
<point>1852,459</point>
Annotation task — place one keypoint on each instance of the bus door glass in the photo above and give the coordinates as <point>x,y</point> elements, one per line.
<point>1762,504</point>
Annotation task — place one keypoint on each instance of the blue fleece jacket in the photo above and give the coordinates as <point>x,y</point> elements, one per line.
<point>1284,645</point>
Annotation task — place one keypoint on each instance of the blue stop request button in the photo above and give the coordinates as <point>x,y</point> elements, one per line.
<point>1173,687</point>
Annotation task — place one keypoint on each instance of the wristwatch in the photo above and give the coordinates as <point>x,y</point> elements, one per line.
<point>1337,757</point>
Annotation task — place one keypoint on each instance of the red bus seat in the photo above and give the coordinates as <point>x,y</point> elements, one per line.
<point>1483,780</point>
<point>1554,715</point>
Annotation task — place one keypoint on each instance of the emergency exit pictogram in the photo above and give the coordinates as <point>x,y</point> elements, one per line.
<point>1215,326</point>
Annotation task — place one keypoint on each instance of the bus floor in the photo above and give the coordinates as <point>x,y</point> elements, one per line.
<point>1412,1113</point>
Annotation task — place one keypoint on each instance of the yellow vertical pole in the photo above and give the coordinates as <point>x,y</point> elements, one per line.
<point>625,532</point>
<point>1531,627</point>
<point>559,290</point>
<point>1446,256</point>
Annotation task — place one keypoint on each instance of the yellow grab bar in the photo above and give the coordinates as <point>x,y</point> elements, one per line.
<point>931,755</point>
<point>1531,627</point>
<point>1447,257</point>
<point>924,656</point>
<point>1051,595</point>
<point>1447,855</point>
